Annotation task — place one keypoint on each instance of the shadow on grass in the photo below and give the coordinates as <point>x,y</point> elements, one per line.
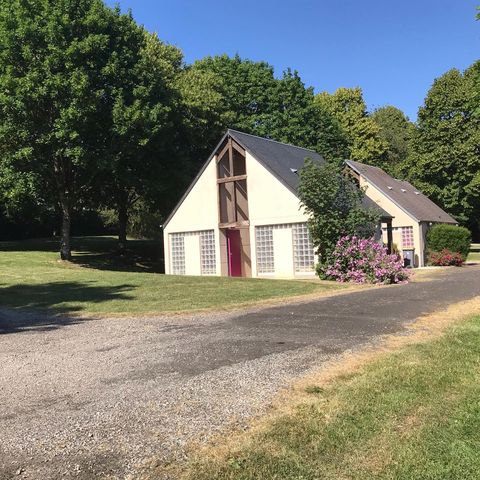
<point>51,305</point>
<point>100,253</point>
<point>130,261</point>
<point>52,244</point>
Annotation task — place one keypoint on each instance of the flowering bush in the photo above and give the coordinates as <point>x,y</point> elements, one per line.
<point>446,258</point>
<point>362,260</point>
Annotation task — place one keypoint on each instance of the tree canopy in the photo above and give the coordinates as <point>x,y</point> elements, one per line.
<point>362,133</point>
<point>444,158</point>
<point>141,120</point>
<point>52,97</point>
<point>396,131</point>
<point>94,111</point>
<point>97,113</point>
<point>253,100</point>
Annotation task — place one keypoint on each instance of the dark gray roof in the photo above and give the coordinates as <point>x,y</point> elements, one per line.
<point>282,159</point>
<point>285,160</point>
<point>403,194</point>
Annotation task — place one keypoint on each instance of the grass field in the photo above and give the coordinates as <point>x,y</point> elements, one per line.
<point>474,255</point>
<point>99,281</point>
<point>413,414</point>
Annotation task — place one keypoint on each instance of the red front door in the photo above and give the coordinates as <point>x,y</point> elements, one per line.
<point>234,251</point>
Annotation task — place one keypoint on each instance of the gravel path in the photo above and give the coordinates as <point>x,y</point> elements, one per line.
<point>97,398</point>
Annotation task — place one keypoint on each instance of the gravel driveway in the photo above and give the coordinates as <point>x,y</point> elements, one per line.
<point>96,398</point>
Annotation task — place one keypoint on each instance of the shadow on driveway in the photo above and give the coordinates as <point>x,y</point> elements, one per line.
<point>51,305</point>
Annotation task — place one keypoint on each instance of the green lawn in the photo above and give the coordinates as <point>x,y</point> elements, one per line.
<point>474,255</point>
<point>414,414</point>
<point>99,281</point>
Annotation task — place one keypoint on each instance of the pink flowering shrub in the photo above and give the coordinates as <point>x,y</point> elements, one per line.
<point>362,260</point>
<point>446,258</point>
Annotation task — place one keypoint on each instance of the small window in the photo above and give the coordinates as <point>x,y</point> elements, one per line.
<point>226,193</point>
<point>239,166</point>
<point>241,198</point>
<point>264,246</point>
<point>207,253</point>
<point>177,249</point>
<point>224,167</point>
<point>304,255</point>
<point>407,237</point>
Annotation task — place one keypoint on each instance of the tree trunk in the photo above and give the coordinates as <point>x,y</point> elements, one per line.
<point>122,226</point>
<point>63,175</point>
<point>65,251</point>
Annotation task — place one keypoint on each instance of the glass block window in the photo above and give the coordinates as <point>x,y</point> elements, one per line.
<point>264,246</point>
<point>207,252</point>
<point>177,253</point>
<point>303,252</point>
<point>407,237</point>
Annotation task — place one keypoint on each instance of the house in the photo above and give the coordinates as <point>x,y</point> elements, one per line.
<point>241,215</point>
<point>411,210</point>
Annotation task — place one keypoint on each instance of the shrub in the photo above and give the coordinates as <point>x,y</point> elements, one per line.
<point>449,237</point>
<point>362,260</point>
<point>335,206</point>
<point>446,258</point>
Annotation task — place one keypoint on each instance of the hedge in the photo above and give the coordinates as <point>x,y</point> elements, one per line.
<point>450,237</point>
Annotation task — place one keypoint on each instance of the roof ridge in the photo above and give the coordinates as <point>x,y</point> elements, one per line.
<point>271,140</point>
<point>368,165</point>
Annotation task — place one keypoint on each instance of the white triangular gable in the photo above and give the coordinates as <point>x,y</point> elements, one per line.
<point>270,202</point>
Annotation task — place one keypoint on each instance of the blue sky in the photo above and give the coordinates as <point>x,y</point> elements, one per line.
<point>392,49</point>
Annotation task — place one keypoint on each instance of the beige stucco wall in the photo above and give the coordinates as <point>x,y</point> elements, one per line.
<point>401,219</point>
<point>197,212</point>
<point>270,202</point>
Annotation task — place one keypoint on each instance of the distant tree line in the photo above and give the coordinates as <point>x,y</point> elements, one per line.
<point>102,122</point>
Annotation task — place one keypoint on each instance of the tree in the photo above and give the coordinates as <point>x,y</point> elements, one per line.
<point>247,89</point>
<point>334,205</point>
<point>395,131</point>
<point>297,120</point>
<point>142,101</point>
<point>53,96</point>
<point>444,158</point>
<point>363,137</point>
<point>200,122</point>
<point>254,101</point>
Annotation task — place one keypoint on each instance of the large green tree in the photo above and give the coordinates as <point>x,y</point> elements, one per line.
<point>444,158</point>
<point>364,141</point>
<point>253,100</point>
<point>54,58</point>
<point>142,101</point>
<point>395,131</point>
